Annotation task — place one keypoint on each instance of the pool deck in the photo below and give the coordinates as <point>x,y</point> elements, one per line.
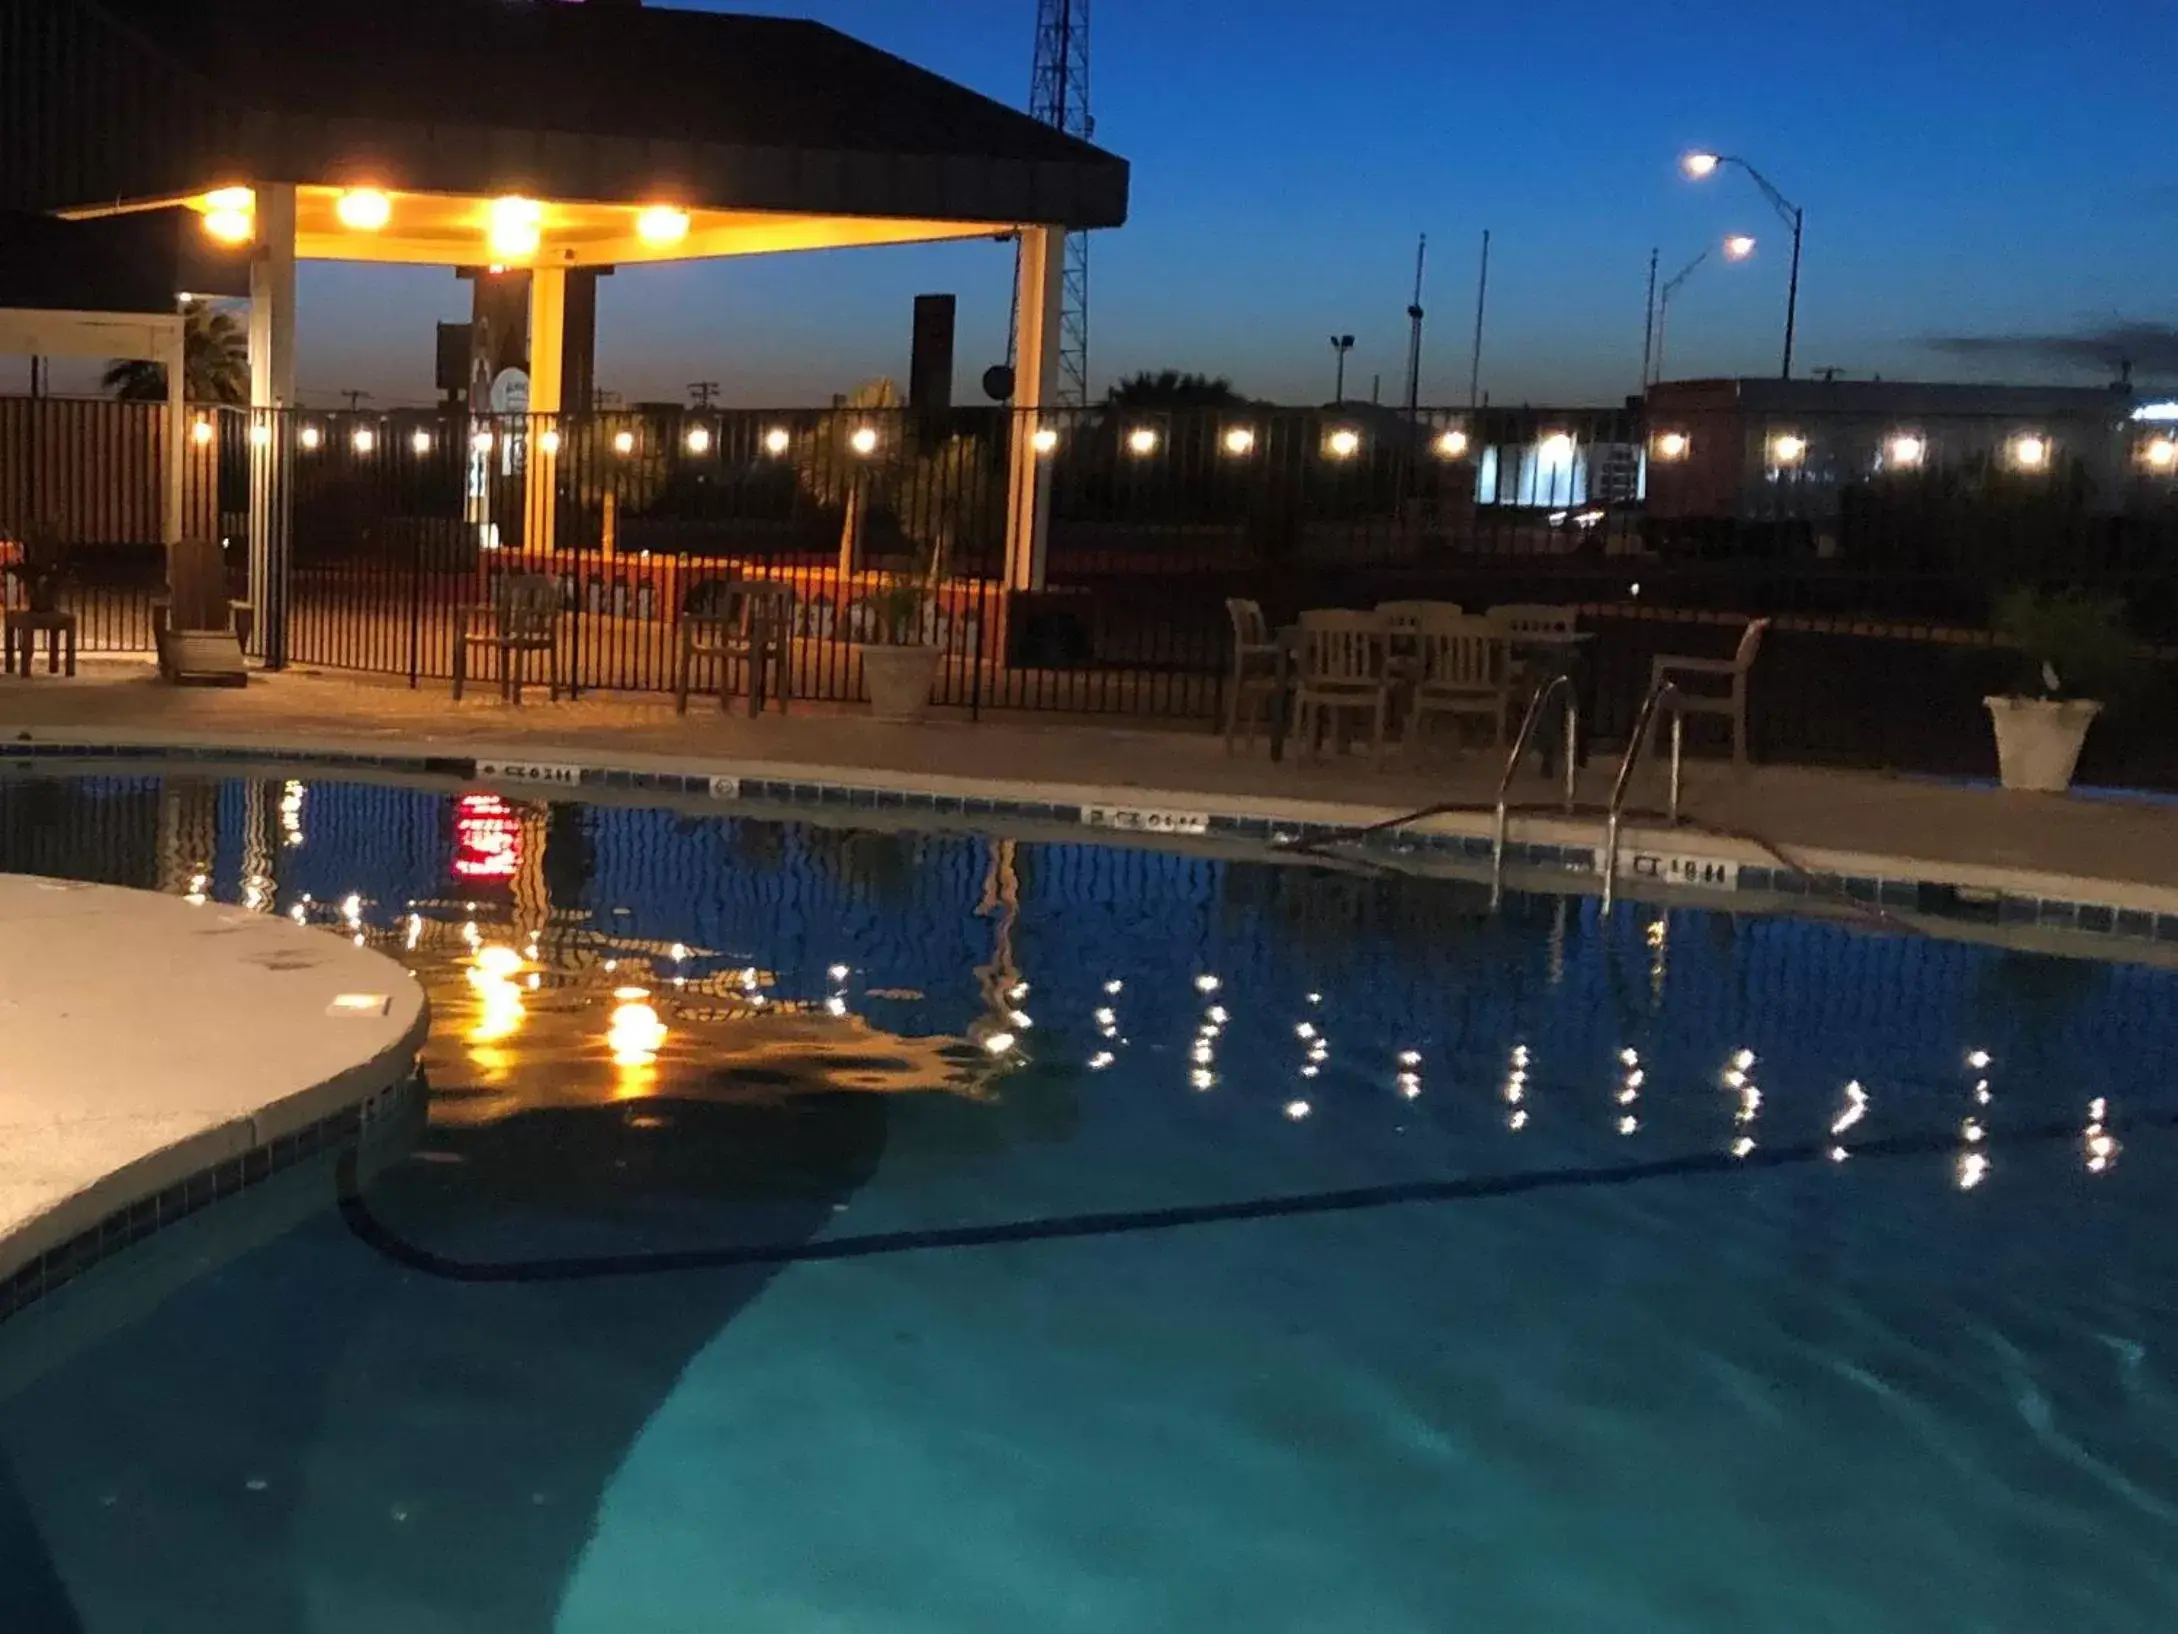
<point>155,1052</point>
<point>1838,820</point>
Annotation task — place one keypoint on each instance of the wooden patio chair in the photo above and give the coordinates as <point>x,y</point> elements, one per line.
<point>1342,674</point>
<point>521,620</point>
<point>1259,671</point>
<point>1466,671</point>
<point>724,622</point>
<point>1732,703</point>
<point>196,629</point>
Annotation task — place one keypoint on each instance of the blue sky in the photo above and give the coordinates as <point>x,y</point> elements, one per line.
<point>1998,169</point>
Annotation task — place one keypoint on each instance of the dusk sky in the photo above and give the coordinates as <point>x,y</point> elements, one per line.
<point>1999,170</point>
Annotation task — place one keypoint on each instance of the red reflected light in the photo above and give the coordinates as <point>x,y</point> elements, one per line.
<point>487,838</point>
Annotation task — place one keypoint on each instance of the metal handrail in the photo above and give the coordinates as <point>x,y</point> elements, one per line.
<point>1658,695</point>
<point>1528,723</point>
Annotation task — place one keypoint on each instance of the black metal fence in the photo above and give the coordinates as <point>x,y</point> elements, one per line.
<point>1876,548</point>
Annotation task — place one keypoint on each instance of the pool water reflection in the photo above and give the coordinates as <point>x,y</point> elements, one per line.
<point>1632,1378</point>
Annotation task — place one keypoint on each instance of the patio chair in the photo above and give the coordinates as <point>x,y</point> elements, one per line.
<point>1732,705</point>
<point>196,630</point>
<point>735,621</point>
<point>1258,670</point>
<point>1466,670</point>
<point>1537,664</point>
<point>522,618</point>
<point>1342,674</point>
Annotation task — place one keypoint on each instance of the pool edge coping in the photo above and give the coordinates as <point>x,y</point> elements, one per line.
<point>1709,865</point>
<point>122,1205</point>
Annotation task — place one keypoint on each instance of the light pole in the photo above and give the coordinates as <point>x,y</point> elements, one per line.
<point>1736,248</point>
<point>1340,346</point>
<point>1700,165</point>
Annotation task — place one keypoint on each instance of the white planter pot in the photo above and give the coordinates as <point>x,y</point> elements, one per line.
<point>2038,740</point>
<point>899,678</point>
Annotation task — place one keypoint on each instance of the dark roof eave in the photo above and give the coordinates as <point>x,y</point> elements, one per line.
<point>484,160</point>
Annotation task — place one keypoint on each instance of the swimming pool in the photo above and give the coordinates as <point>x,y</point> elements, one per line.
<point>830,1229</point>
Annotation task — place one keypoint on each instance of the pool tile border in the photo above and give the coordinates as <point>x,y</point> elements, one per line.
<point>2096,918</point>
<point>62,1264</point>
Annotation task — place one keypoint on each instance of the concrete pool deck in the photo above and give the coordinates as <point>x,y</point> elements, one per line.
<point>156,1053</point>
<point>1974,837</point>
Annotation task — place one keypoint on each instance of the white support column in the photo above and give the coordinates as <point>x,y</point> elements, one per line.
<point>547,353</point>
<point>174,355</point>
<point>1035,382</point>
<point>272,435</point>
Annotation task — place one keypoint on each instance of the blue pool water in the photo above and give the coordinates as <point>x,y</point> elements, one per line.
<point>667,1322</point>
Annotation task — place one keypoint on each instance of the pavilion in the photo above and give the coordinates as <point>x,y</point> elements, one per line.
<point>544,135</point>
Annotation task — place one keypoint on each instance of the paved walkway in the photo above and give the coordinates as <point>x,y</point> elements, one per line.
<point>145,1040</point>
<point>1970,835</point>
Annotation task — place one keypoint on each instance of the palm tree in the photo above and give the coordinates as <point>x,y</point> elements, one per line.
<point>215,364</point>
<point>1173,389</point>
<point>936,489</point>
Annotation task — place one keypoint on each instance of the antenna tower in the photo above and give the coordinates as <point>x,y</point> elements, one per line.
<point>1059,97</point>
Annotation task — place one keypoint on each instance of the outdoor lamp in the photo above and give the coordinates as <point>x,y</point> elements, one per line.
<point>1045,440</point>
<point>2030,451</point>
<point>309,437</point>
<point>699,439</point>
<point>777,441</point>
<point>863,441</point>
<point>548,442</point>
<point>1906,450</point>
<point>2160,455</point>
<point>364,209</point>
<point>1452,444</point>
<point>1673,445</point>
<point>200,433</point>
<point>421,442</point>
<point>364,440</point>
<point>1343,444</point>
<point>623,442</point>
<point>1788,448</point>
<point>1239,441</point>
<point>1142,440</point>
<point>515,228</point>
<point>661,224</point>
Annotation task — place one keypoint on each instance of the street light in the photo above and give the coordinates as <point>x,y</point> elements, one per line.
<point>1737,247</point>
<point>1340,346</point>
<point>1699,166</point>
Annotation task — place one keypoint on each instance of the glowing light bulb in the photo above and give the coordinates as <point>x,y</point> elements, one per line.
<point>661,224</point>
<point>364,209</point>
<point>515,228</point>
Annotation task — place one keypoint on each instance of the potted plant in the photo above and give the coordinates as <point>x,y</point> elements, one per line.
<point>899,660</point>
<point>2075,655</point>
<point>871,460</point>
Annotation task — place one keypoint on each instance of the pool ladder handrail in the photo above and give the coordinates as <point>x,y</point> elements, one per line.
<point>1662,693</point>
<point>1528,723</point>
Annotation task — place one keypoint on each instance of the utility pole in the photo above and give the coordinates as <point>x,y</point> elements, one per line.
<point>1482,297</point>
<point>1340,346</point>
<point>703,392</point>
<point>355,398</point>
<point>1414,342</point>
<point>1648,322</point>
